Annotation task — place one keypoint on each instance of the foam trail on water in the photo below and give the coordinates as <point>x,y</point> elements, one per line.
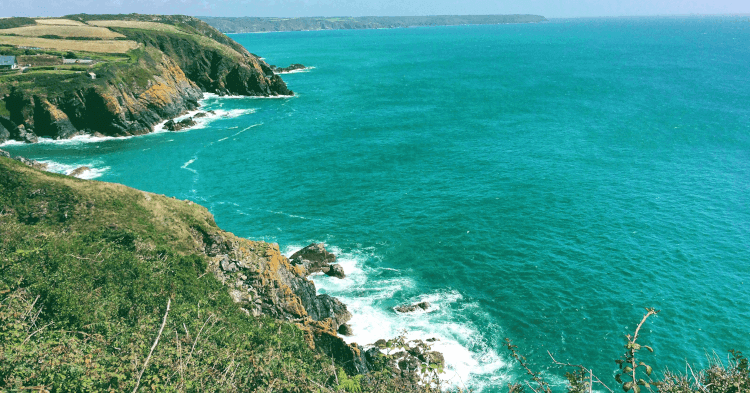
<point>187,164</point>
<point>371,293</point>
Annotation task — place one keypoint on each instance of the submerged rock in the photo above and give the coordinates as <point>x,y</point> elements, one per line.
<point>406,308</point>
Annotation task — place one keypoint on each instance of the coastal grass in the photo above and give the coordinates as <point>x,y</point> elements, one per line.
<point>87,270</point>
<point>63,31</point>
<point>98,46</point>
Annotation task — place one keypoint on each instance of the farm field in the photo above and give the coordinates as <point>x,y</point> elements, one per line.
<point>136,25</point>
<point>63,31</point>
<point>59,22</point>
<point>100,46</point>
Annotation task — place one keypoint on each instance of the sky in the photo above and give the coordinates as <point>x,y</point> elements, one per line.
<point>296,8</point>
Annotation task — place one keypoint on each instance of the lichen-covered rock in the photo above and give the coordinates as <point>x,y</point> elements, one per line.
<point>314,258</point>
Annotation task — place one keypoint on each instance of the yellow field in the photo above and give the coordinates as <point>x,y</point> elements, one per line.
<point>63,31</point>
<point>136,25</point>
<point>98,46</point>
<point>59,22</point>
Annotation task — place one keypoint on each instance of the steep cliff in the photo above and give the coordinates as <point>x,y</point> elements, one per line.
<point>177,59</point>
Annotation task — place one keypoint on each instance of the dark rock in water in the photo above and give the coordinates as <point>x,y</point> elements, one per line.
<point>203,114</point>
<point>345,330</point>
<point>179,125</point>
<point>336,271</point>
<point>423,306</point>
<point>292,67</point>
<point>78,171</point>
<point>20,133</point>
<point>315,258</point>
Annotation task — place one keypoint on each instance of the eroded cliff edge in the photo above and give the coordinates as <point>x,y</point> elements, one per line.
<point>174,61</point>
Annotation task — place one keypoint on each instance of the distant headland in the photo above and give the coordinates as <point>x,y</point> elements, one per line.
<point>255,25</point>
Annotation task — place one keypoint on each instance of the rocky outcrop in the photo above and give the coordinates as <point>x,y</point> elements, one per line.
<point>293,67</point>
<point>179,125</point>
<point>407,308</point>
<point>316,259</point>
<point>34,164</point>
<point>79,171</point>
<point>264,282</point>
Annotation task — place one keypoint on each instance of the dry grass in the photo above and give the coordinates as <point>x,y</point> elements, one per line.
<point>136,25</point>
<point>60,22</point>
<point>98,46</point>
<point>64,31</point>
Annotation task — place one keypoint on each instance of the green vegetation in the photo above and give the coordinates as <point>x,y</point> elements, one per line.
<point>9,23</point>
<point>87,271</point>
<point>3,110</point>
<point>635,375</point>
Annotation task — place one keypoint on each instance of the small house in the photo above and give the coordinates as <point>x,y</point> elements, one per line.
<point>8,63</point>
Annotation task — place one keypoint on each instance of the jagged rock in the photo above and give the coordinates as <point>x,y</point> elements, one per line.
<point>78,171</point>
<point>203,114</point>
<point>351,357</point>
<point>179,125</point>
<point>421,306</point>
<point>292,67</point>
<point>335,271</point>
<point>34,164</point>
<point>20,133</point>
<point>314,258</point>
<point>345,330</point>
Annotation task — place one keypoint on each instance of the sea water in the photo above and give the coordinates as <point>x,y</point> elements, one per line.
<point>539,182</point>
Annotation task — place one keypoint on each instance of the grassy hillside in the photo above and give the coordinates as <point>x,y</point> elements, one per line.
<point>87,270</point>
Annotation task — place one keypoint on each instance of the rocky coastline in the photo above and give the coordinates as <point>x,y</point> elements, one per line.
<point>265,283</point>
<point>164,78</point>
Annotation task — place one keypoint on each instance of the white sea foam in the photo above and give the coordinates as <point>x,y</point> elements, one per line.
<point>187,165</point>
<point>306,69</point>
<point>208,96</point>
<point>369,292</point>
<point>92,173</point>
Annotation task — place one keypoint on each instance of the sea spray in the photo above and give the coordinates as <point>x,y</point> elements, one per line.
<point>368,292</point>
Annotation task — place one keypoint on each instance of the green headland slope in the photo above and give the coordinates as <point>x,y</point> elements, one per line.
<point>117,75</point>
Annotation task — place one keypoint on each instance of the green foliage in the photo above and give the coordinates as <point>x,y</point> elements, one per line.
<point>4,110</point>
<point>9,23</point>
<point>351,385</point>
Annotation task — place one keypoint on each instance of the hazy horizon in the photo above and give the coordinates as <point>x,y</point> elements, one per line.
<point>552,9</point>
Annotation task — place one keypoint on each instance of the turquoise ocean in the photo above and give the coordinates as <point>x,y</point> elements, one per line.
<point>541,182</point>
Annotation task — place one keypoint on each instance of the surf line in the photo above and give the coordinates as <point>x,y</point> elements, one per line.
<point>254,125</point>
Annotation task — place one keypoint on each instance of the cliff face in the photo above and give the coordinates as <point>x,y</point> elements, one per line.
<point>163,78</point>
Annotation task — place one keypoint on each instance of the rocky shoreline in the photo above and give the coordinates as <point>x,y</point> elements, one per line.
<point>264,282</point>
